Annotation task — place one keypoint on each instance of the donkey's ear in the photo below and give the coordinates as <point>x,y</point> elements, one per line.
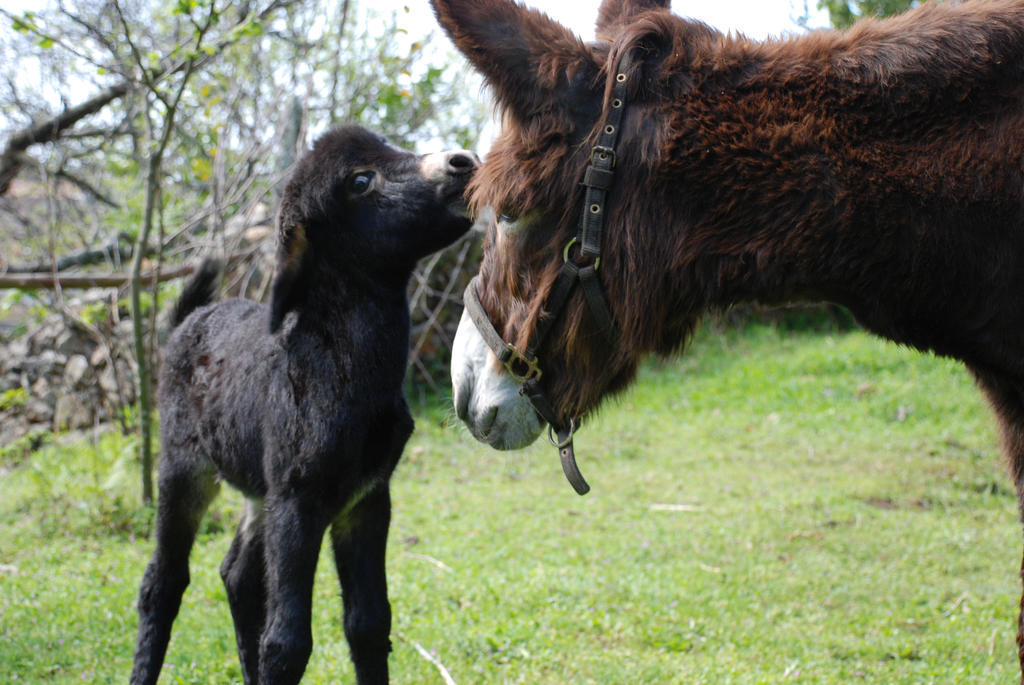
<point>613,13</point>
<point>523,53</point>
<point>290,275</point>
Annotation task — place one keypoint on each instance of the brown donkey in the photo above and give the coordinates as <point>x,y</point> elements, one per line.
<point>667,170</point>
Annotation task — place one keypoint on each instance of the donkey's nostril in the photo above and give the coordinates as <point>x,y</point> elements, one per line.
<point>462,162</point>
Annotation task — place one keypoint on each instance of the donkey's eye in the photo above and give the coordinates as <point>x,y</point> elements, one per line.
<point>361,182</point>
<point>508,224</point>
<point>511,224</point>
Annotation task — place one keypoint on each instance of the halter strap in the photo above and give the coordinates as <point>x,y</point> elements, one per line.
<point>524,365</point>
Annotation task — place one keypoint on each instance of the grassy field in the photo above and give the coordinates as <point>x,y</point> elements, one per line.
<point>776,507</point>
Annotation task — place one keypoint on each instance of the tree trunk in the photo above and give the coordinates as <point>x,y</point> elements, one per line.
<point>141,357</point>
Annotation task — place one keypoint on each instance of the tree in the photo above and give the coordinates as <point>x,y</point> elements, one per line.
<point>336,61</point>
<point>843,13</point>
<point>173,121</point>
<point>161,99</point>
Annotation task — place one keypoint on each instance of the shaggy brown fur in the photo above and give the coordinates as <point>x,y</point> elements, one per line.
<point>881,168</point>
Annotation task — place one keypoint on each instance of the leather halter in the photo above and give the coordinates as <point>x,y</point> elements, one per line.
<point>523,365</point>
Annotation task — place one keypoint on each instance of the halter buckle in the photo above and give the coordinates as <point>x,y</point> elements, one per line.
<point>602,153</point>
<point>520,367</point>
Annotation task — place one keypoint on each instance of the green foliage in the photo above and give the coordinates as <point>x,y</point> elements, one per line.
<point>843,13</point>
<point>15,397</point>
<point>145,303</point>
<point>185,6</point>
<point>378,69</point>
<point>82,489</point>
<point>24,23</point>
<point>26,299</point>
<point>14,453</point>
<point>401,86</point>
<point>774,507</point>
<point>8,301</point>
<point>249,29</point>
<point>95,313</point>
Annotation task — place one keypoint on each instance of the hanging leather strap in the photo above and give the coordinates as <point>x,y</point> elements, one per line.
<point>524,365</point>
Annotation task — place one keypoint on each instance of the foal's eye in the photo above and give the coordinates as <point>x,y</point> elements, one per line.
<point>506,219</point>
<point>361,182</point>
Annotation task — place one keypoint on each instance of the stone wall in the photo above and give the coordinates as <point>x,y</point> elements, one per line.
<point>63,375</point>
<point>66,375</point>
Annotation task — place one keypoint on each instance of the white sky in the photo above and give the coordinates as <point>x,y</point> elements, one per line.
<point>754,18</point>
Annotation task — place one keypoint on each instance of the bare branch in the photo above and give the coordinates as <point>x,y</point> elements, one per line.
<point>51,128</point>
<point>87,188</point>
<point>120,245</point>
<point>51,281</point>
<point>55,39</point>
<point>92,30</point>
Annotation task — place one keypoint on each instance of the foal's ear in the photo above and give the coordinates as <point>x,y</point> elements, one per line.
<point>521,52</point>
<point>289,277</point>
<point>616,12</point>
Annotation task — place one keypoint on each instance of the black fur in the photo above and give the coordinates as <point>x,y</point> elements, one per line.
<point>199,291</point>
<point>305,416</point>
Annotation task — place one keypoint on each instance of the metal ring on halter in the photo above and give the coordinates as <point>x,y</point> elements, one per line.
<point>568,438</point>
<point>565,254</point>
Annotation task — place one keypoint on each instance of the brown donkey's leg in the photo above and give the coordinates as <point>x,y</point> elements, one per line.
<point>1020,629</point>
<point>1013,440</point>
<point>1007,398</point>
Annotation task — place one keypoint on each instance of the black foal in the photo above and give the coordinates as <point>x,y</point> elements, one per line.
<point>299,405</point>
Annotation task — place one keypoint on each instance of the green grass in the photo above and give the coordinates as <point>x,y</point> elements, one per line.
<point>775,507</point>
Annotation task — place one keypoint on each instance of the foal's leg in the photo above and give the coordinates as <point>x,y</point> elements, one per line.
<point>244,580</point>
<point>359,538</point>
<point>186,488</point>
<point>293,532</point>
<point>1007,398</point>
